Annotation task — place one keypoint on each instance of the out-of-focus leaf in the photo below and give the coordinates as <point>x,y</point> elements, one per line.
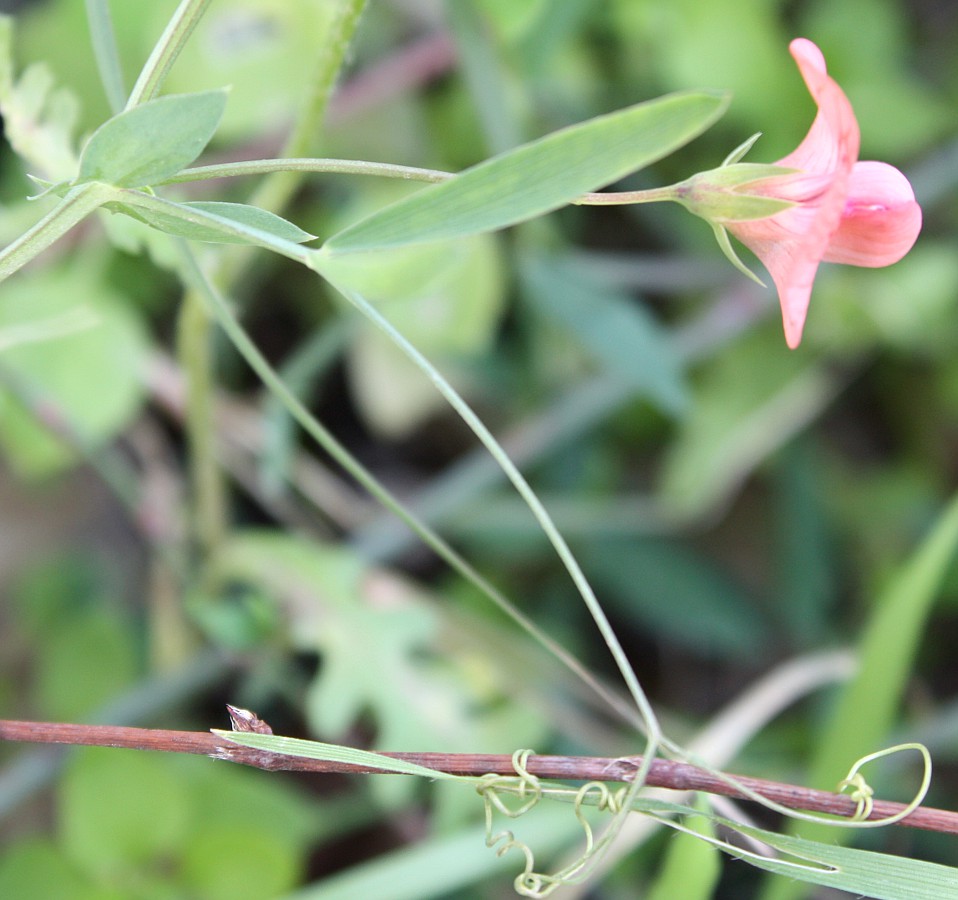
<point>263,50</point>
<point>745,48</point>
<point>615,330</point>
<point>752,400</point>
<point>119,811</point>
<point>239,860</point>
<point>692,867</point>
<point>535,178</point>
<point>675,594</point>
<point>855,308</point>
<point>84,661</point>
<point>224,795</point>
<point>393,395</point>
<point>805,575</point>
<point>444,865</point>
<point>148,143</point>
<point>89,378</point>
<point>38,119</point>
<point>447,300</point>
<point>34,867</point>
<point>865,711</point>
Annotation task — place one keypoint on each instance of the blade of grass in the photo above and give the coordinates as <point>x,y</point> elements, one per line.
<point>866,708</point>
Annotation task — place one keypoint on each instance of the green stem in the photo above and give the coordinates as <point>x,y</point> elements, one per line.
<point>73,208</point>
<point>222,312</point>
<point>622,198</point>
<point>275,193</point>
<point>167,49</point>
<point>479,428</point>
<point>104,49</point>
<point>327,166</point>
<point>332,55</point>
<point>195,349</point>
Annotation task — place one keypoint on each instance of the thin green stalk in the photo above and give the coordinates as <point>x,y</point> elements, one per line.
<point>479,428</point>
<point>300,372</point>
<point>167,49</point>
<point>195,352</point>
<point>105,51</point>
<point>72,209</point>
<point>621,198</point>
<point>275,193</point>
<point>220,309</point>
<point>304,165</point>
<point>329,64</point>
<point>195,349</point>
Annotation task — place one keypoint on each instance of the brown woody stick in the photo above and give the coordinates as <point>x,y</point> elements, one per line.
<point>663,773</point>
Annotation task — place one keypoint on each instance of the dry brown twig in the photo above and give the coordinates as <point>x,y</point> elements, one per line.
<point>663,773</point>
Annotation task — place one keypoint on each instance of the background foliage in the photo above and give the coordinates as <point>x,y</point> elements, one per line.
<point>734,503</point>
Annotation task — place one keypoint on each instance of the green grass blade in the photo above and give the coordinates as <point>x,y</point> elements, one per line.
<point>537,177</point>
<point>866,709</point>
<point>862,873</point>
<point>288,746</point>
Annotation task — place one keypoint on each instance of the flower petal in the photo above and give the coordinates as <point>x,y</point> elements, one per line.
<point>881,220</point>
<point>793,243</point>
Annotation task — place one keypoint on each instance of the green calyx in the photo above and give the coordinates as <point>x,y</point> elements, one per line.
<point>722,195</point>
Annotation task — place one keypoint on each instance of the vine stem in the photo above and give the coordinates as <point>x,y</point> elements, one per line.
<point>308,165</point>
<point>220,309</point>
<point>71,210</point>
<point>467,414</point>
<point>663,773</point>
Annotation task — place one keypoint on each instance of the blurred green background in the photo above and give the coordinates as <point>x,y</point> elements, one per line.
<point>735,504</point>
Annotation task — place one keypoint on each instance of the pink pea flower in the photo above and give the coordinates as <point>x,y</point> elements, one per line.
<point>830,207</point>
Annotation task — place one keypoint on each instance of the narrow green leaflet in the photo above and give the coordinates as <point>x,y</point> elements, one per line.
<point>863,873</point>
<point>880,876</point>
<point>275,743</point>
<point>537,177</point>
<point>148,143</point>
<point>238,213</point>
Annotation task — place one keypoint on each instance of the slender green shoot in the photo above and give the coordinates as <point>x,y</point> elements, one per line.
<point>222,312</point>
<point>72,209</point>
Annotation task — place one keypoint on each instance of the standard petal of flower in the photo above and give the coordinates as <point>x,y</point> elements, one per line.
<point>881,220</point>
<point>830,148</point>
